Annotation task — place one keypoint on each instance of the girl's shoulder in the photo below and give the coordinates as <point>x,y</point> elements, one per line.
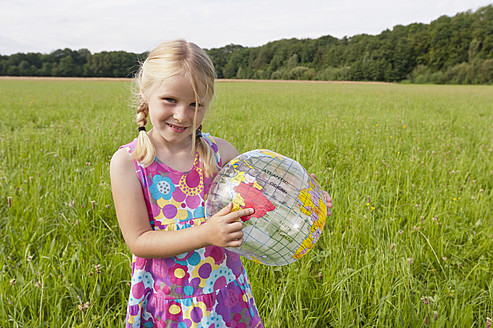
<point>122,160</point>
<point>129,148</point>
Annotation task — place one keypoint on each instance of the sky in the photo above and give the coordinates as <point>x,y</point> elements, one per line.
<point>138,26</point>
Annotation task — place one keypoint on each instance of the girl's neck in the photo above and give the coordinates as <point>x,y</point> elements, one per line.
<point>182,162</point>
<point>176,156</point>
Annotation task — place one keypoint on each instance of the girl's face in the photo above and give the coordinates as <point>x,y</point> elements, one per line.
<point>171,111</point>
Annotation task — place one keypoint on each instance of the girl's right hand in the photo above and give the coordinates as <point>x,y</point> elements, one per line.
<point>224,227</point>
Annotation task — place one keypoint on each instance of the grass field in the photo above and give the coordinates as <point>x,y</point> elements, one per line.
<point>409,168</point>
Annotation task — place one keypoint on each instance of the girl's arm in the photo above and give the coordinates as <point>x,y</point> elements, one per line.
<point>222,229</point>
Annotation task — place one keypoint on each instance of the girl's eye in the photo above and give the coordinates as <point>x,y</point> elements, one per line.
<point>170,100</point>
<point>195,105</point>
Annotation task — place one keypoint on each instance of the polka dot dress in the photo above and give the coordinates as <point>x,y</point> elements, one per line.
<point>207,287</point>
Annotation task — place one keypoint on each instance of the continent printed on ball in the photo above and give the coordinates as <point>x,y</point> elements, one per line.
<point>249,196</point>
<point>312,205</point>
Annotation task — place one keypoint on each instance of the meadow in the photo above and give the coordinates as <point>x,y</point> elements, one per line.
<point>409,167</point>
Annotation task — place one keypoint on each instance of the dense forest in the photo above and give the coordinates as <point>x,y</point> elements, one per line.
<point>455,50</point>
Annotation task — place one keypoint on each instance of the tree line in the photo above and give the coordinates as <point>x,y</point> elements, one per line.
<point>456,49</point>
<point>71,63</point>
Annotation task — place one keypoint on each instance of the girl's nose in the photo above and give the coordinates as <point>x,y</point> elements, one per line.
<point>180,113</point>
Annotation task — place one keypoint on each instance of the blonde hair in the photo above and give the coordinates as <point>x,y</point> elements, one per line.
<point>169,59</point>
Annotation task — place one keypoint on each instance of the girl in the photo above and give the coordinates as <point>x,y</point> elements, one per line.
<point>181,274</point>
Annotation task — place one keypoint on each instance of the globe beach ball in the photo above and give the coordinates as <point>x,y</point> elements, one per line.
<point>290,207</point>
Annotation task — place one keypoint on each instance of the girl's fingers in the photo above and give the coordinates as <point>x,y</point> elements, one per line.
<point>234,226</point>
<point>236,243</point>
<point>233,216</point>
<point>237,235</point>
<point>326,194</point>
<point>328,199</point>
<point>225,210</point>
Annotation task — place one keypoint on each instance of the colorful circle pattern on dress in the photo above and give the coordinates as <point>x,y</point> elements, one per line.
<point>162,187</point>
<point>192,184</point>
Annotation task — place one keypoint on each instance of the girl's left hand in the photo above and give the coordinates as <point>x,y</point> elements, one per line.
<point>327,197</point>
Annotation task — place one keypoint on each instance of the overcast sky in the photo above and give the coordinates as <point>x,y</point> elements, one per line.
<point>137,26</point>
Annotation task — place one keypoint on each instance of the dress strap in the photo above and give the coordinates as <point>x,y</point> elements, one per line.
<point>139,169</point>
<point>210,140</point>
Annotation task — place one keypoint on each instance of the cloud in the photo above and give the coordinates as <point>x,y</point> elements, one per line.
<point>137,26</point>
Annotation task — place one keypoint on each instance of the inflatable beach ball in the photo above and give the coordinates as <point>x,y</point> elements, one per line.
<point>290,208</point>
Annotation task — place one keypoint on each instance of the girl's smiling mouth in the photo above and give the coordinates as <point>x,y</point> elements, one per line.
<point>176,128</point>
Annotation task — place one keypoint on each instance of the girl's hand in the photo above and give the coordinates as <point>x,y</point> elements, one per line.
<point>224,228</point>
<point>327,197</point>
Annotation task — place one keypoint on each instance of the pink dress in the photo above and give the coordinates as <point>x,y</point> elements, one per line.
<point>207,287</point>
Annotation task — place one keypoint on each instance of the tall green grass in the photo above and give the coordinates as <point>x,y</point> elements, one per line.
<point>409,168</point>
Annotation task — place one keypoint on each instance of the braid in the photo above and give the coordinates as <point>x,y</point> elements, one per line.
<point>142,112</point>
<point>206,154</point>
<point>144,151</point>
